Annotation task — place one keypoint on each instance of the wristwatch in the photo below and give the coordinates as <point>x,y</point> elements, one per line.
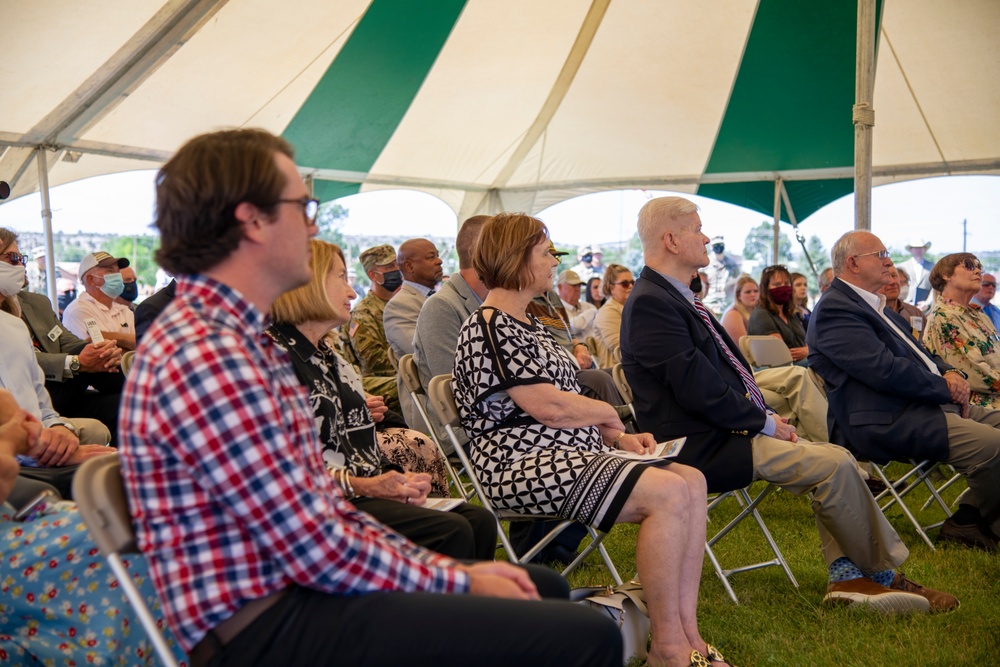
<point>74,363</point>
<point>955,370</point>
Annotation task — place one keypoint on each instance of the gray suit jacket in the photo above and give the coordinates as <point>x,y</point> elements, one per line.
<point>37,313</point>
<point>436,337</point>
<point>400,319</point>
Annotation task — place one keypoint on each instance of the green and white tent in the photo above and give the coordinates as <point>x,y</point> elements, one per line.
<point>507,104</point>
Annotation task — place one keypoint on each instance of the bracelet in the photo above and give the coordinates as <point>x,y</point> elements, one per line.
<point>345,483</point>
<point>618,439</point>
<point>576,344</point>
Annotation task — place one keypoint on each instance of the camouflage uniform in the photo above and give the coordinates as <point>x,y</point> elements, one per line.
<point>365,336</point>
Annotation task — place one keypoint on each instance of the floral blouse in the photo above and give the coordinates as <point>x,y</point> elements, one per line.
<point>964,336</point>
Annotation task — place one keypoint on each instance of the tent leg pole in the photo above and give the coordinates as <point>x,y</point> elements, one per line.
<point>864,115</point>
<point>50,258</point>
<point>777,219</point>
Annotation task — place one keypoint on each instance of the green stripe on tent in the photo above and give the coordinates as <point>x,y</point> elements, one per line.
<point>787,110</point>
<point>359,102</point>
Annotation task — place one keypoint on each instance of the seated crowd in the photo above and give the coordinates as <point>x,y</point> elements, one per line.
<point>280,474</point>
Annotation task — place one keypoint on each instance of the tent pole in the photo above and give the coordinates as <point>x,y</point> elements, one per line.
<point>864,115</point>
<point>777,219</point>
<point>50,258</point>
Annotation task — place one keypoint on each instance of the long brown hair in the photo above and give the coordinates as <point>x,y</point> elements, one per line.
<point>765,292</point>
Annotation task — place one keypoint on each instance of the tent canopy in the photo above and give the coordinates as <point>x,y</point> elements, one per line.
<point>507,104</point>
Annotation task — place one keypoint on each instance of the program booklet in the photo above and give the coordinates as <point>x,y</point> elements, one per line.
<point>663,450</point>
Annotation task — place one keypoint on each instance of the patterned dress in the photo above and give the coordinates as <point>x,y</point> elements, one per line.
<point>60,603</point>
<point>964,336</point>
<point>526,466</point>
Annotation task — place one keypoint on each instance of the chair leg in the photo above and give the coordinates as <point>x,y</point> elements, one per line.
<point>897,497</point>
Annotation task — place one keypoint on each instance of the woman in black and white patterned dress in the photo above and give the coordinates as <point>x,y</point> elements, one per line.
<point>542,448</point>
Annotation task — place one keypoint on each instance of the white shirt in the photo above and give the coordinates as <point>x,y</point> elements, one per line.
<point>581,318</point>
<point>877,302</point>
<point>20,373</point>
<point>116,319</point>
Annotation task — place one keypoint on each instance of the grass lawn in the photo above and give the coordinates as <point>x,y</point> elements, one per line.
<point>776,624</point>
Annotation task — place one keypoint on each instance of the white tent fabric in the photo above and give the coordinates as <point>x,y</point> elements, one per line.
<point>524,104</point>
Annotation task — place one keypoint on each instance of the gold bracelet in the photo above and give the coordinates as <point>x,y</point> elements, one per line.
<point>618,439</point>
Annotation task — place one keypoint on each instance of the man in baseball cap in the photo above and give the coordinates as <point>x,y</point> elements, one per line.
<point>100,275</point>
<point>580,313</point>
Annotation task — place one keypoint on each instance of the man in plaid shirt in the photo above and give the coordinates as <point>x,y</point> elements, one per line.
<point>257,556</point>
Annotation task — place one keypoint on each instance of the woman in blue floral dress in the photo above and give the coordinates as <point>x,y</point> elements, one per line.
<point>60,604</point>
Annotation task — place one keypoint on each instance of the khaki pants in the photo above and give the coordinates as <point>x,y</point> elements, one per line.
<point>974,450</point>
<point>849,521</point>
<point>90,431</point>
<point>793,393</point>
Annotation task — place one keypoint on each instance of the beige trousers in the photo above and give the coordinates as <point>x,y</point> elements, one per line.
<point>90,431</point>
<point>793,392</point>
<point>849,521</point>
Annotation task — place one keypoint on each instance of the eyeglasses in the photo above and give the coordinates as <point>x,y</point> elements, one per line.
<point>625,283</point>
<point>15,258</point>
<point>881,254</point>
<point>310,206</point>
<point>989,283</point>
<point>972,264</point>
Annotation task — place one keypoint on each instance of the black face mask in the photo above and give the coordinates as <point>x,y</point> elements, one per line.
<point>392,280</point>
<point>718,248</point>
<point>587,258</point>
<point>130,292</point>
<point>696,285</point>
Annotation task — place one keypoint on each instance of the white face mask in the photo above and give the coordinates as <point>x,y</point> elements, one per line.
<point>11,278</point>
<point>904,291</point>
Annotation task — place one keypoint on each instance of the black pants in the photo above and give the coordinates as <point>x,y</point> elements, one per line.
<point>391,629</point>
<point>467,532</point>
<point>72,398</point>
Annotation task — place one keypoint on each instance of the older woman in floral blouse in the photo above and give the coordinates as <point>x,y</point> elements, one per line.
<point>960,332</point>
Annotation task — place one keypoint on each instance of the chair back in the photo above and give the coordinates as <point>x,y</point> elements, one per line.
<point>442,399</point>
<point>409,375</point>
<point>100,496</point>
<point>769,352</point>
<point>127,360</point>
<point>618,375</point>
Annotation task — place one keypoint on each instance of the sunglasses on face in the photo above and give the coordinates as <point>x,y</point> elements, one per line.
<point>625,283</point>
<point>972,264</point>
<point>989,283</point>
<point>15,258</point>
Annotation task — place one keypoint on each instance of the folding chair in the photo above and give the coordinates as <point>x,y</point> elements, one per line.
<point>100,496</point>
<point>916,476</point>
<point>742,496</point>
<point>442,402</point>
<point>127,360</point>
<point>765,351</point>
<point>411,380</point>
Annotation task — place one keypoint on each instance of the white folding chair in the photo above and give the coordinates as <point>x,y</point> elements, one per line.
<point>100,496</point>
<point>442,402</point>
<point>411,379</point>
<point>742,496</point>
<point>766,351</point>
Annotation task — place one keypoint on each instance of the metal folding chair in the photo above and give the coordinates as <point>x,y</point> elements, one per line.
<point>411,380</point>
<point>742,496</point>
<point>765,351</point>
<point>915,477</point>
<point>100,496</point>
<point>442,402</point>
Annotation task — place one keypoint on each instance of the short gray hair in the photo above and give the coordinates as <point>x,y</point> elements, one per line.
<point>846,246</point>
<point>656,211</point>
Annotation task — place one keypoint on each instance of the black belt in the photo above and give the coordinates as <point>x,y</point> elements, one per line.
<point>216,639</point>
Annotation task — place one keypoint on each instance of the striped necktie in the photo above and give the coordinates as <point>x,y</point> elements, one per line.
<point>753,392</point>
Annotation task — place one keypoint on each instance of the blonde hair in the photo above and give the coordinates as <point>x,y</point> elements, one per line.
<point>658,211</point>
<point>741,282</point>
<point>310,302</point>
<point>610,276</point>
<point>504,246</point>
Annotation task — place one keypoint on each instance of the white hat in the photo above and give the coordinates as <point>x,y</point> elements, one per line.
<point>99,258</point>
<point>918,243</point>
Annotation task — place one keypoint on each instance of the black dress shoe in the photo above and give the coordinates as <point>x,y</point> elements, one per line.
<point>971,535</point>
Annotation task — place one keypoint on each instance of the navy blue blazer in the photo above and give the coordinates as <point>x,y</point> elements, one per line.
<point>885,404</point>
<point>685,385</point>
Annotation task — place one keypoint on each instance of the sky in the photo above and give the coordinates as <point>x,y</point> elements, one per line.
<point>931,209</point>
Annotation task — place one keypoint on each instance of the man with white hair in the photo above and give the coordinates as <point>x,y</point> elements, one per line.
<point>890,398</point>
<point>690,379</point>
<point>984,299</point>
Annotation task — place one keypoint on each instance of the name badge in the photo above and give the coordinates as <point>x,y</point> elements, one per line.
<point>917,323</point>
<point>55,333</point>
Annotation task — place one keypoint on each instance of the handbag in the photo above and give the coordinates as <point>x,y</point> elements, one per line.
<point>626,606</point>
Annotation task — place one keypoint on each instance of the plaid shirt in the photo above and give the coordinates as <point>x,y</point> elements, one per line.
<point>224,473</point>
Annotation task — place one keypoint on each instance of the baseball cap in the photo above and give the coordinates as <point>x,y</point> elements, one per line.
<point>380,255</point>
<point>102,259</point>
<point>569,277</point>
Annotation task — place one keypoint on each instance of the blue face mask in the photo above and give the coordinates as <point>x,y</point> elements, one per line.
<point>113,285</point>
<point>131,291</point>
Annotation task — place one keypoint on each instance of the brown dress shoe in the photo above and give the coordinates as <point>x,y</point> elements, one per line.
<point>939,601</point>
<point>970,535</point>
<point>864,592</point>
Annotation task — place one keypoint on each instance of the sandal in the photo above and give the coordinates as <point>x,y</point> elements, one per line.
<point>698,660</point>
<point>715,656</point>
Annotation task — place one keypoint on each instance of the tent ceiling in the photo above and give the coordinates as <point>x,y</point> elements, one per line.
<point>508,104</point>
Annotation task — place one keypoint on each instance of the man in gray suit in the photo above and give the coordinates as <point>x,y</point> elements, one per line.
<point>420,264</point>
